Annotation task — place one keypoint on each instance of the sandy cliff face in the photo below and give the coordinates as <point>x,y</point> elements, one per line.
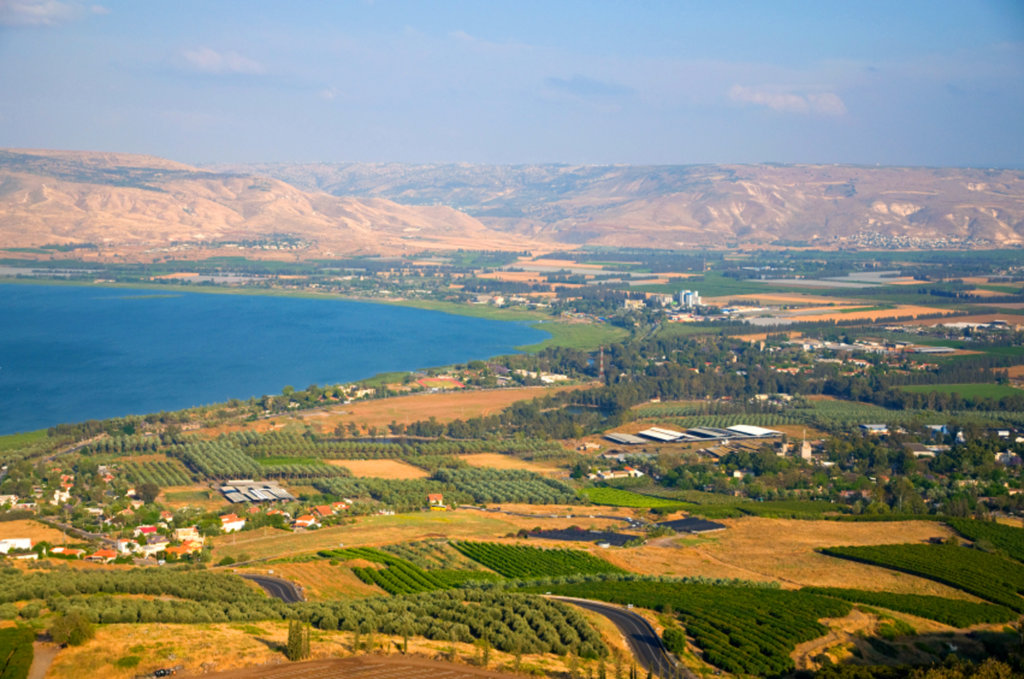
<point>116,200</point>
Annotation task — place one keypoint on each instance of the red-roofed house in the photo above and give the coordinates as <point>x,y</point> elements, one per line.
<point>231,523</point>
<point>436,501</point>
<point>189,547</point>
<point>305,521</point>
<point>323,511</point>
<point>145,530</point>
<point>102,555</point>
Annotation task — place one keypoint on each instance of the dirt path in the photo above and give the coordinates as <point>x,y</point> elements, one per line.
<point>847,627</point>
<point>43,653</point>
<point>760,576</point>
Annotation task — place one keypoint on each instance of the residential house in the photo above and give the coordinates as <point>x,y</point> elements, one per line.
<point>231,523</point>
<point>187,534</point>
<point>102,556</point>
<point>436,502</point>
<point>323,511</point>
<point>17,544</point>
<point>306,521</point>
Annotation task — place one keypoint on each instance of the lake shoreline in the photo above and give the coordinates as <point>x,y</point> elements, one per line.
<point>389,344</point>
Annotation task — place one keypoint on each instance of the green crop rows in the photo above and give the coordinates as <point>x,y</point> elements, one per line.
<point>742,630</point>
<point>988,576</point>
<point>161,472</point>
<point>15,652</point>
<point>616,497</point>
<point>400,576</point>
<point>519,561</point>
<point>952,612</point>
<point>1004,538</point>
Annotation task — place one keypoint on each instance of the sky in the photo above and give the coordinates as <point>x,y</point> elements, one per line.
<point>934,83</point>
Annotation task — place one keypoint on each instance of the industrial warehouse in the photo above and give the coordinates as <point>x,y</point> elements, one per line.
<point>695,434</point>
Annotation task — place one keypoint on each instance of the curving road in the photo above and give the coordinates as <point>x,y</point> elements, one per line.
<point>640,636</point>
<point>277,588</point>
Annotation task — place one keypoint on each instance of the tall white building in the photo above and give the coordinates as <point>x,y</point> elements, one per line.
<point>689,299</point>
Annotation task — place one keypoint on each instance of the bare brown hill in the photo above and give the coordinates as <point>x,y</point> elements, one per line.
<point>676,206</point>
<point>139,204</point>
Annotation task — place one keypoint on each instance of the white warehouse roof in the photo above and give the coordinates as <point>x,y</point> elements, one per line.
<point>751,430</point>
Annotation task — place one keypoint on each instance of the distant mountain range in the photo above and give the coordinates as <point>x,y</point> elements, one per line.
<point>684,205</point>
<point>139,205</point>
<point>143,206</point>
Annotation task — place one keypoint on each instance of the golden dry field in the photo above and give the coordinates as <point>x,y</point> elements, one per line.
<point>902,310</point>
<point>319,579</point>
<point>38,532</point>
<point>380,469</point>
<point>459,524</point>
<point>255,648</point>
<point>444,407</point>
<point>499,461</point>
<point>754,548</point>
<point>196,495</point>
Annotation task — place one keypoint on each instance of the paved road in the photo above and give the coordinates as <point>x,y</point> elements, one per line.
<point>277,588</point>
<point>641,637</point>
<point>68,528</point>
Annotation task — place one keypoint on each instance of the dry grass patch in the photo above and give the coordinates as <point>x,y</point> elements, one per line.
<point>460,524</point>
<point>320,580</point>
<point>195,495</point>
<point>251,650</point>
<point>782,550</point>
<point>38,532</point>
<point>380,469</point>
<point>903,310</point>
<point>368,530</point>
<point>444,407</point>
<point>499,461</point>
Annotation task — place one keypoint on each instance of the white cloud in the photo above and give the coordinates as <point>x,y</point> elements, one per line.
<point>783,101</point>
<point>207,60</point>
<point>37,12</point>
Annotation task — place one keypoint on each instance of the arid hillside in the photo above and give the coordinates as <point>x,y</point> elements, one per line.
<point>138,204</point>
<point>673,206</point>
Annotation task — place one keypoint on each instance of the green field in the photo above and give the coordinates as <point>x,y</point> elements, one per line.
<point>971,390</point>
<point>615,497</point>
<point>575,336</point>
<point>16,441</point>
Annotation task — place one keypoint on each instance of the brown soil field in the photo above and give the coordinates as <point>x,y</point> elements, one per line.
<point>151,457</point>
<point>757,337</point>
<point>518,276</point>
<point>1012,319</point>
<point>444,407</point>
<point>380,469</point>
<point>254,650</point>
<point>499,461</point>
<point>38,532</point>
<point>978,292</point>
<point>754,548</point>
<point>900,310</point>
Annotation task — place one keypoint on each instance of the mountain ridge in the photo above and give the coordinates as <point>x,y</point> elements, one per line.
<point>681,205</point>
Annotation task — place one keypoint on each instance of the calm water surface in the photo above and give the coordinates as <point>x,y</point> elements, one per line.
<point>70,353</point>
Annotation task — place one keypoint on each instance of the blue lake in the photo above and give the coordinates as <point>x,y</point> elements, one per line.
<point>73,353</point>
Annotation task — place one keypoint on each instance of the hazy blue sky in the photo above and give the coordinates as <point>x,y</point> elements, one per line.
<point>893,82</point>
